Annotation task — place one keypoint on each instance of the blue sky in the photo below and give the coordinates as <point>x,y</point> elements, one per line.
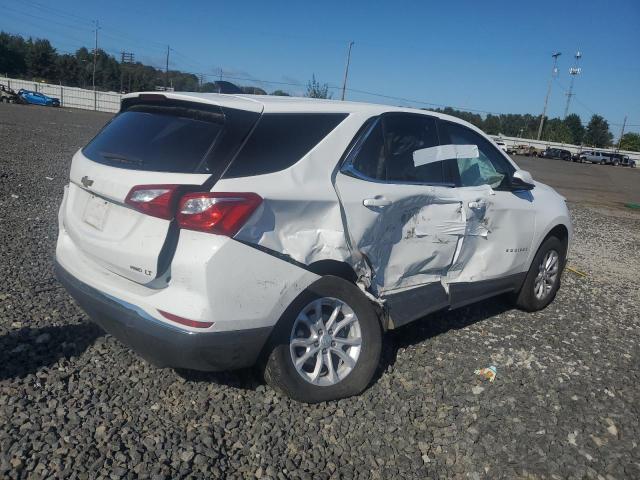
<point>491,56</point>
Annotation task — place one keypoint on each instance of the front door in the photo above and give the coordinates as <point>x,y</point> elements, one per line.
<point>501,223</point>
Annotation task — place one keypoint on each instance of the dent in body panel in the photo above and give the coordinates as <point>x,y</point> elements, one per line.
<point>416,240</point>
<point>410,242</point>
<point>313,212</point>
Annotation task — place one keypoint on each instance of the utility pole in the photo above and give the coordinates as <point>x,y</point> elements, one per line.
<point>346,70</point>
<point>624,124</point>
<point>166,71</point>
<point>95,55</point>
<point>125,58</point>
<point>573,71</point>
<point>93,77</point>
<point>546,100</point>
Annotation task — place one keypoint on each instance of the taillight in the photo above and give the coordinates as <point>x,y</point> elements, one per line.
<point>222,213</point>
<point>155,200</point>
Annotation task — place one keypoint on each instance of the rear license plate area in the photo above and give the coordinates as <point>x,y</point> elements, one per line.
<point>95,213</point>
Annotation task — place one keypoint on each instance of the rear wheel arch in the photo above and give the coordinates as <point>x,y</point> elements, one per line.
<point>335,268</point>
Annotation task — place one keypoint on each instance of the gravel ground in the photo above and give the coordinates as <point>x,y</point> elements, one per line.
<point>74,403</point>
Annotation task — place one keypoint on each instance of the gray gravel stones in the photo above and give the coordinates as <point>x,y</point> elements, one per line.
<point>75,403</point>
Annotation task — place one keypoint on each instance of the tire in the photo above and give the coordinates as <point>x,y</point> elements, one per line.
<point>526,298</point>
<point>615,164</point>
<point>313,382</point>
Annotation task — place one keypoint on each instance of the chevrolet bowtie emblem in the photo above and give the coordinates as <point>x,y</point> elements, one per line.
<point>86,181</point>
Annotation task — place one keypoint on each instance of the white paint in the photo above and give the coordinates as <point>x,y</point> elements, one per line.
<point>416,235</point>
<point>444,152</point>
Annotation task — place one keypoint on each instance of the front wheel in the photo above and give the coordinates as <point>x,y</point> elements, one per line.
<point>543,278</point>
<point>327,345</point>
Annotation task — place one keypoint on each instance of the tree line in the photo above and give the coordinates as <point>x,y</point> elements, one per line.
<point>36,59</point>
<point>567,130</point>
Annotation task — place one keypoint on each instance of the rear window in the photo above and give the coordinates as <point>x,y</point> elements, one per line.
<point>280,140</point>
<point>160,138</point>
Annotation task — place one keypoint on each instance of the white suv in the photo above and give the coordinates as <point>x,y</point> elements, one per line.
<point>214,232</point>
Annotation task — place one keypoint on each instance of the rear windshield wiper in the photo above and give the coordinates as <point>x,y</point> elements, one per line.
<point>122,158</point>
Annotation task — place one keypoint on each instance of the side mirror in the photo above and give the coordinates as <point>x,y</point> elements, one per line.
<point>522,180</point>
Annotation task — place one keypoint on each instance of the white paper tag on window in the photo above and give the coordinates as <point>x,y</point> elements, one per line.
<point>444,152</point>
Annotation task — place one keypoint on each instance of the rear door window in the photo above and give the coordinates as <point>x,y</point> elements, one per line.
<point>387,153</point>
<point>404,134</point>
<point>279,140</point>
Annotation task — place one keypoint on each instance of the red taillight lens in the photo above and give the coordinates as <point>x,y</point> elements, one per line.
<point>216,212</point>
<point>155,200</point>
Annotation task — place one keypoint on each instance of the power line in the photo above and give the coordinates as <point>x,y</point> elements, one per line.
<point>58,12</point>
<point>122,35</point>
<point>584,105</point>
<point>38,24</point>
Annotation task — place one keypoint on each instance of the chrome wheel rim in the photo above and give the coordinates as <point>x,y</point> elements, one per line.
<point>547,275</point>
<point>325,341</point>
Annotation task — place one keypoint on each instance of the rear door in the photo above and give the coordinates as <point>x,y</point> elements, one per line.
<point>156,142</point>
<point>402,219</point>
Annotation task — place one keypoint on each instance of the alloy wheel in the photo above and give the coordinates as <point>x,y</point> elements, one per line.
<point>547,275</point>
<point>325,341</point>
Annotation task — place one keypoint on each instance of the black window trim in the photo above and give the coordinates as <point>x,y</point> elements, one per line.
<point>347,167</point>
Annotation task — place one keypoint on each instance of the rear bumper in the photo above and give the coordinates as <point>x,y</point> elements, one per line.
<point>160,343</point>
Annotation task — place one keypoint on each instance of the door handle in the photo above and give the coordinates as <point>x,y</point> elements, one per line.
<point>478,204</point>
<point>376,202</point>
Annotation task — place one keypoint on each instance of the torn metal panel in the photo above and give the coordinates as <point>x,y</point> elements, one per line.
<point>491,246</point>
<point>410,240</point>
<point>301,216</point>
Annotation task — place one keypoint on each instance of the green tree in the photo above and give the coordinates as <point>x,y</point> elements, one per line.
<point>41,59</point>
<point>492,124</point>
<point>209,87</point>
<point>253,91</point>
<point>630,141</point>
<point>68,70</point>
<point>13,54</point>
<point>472,118</point>
<point>280,93</point>
<point>317,90</point>
<point>555,130</point>
<point>574,124</point>
<point>597,133</point>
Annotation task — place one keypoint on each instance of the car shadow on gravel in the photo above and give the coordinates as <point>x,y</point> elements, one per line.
<point>437,324</point>
<point>243,379</point>
<point>27,350</point>
<point>416,332</point>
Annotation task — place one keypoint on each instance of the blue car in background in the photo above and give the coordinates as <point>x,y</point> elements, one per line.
<point>37,98</point>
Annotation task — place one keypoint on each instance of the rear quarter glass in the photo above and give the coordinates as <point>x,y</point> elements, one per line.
<point>279,140</point>
<point>172,136</point>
